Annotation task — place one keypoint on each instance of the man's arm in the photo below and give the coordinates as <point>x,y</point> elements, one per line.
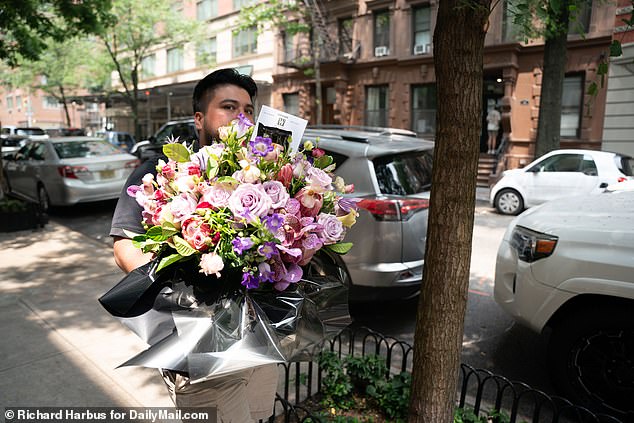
<point>127,256</point>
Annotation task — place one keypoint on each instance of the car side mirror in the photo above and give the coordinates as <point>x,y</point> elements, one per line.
<point>152,139</point>
<point>533,169</point>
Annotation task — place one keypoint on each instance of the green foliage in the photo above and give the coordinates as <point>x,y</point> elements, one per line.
<point>286,15</point>
<point>341,247</point>
<point>12,205</point>
<point>336,384</point>
<point>28,25</point>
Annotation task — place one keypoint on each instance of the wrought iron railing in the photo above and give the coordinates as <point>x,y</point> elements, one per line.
<point>479,390</point>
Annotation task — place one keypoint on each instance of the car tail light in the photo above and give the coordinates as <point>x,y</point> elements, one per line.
<point>621,179</point>
<point>71,171</point>
<point>132,164</point>
<point>393,210</point>
<point>531,245</point>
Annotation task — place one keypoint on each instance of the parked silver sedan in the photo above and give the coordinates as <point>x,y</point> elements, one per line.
<point>68,170</point>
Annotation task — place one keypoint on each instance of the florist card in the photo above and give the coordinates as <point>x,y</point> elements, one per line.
<point>281,127</point>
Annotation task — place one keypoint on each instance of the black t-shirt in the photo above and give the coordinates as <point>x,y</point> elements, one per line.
<point>127,214</point>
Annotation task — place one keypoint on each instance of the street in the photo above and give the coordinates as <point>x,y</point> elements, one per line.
<point>491,339</point>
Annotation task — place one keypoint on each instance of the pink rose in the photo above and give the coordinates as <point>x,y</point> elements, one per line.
<point>277,192</point>
<point>332,230</point>
<point>183,206</point>
<point>217,195</point>
<point>318,180</point>
<point>197,233</point>
<point>249,201</point>
<point>310,201</point>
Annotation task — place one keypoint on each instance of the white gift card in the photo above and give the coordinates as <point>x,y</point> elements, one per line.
<point>280,127</point>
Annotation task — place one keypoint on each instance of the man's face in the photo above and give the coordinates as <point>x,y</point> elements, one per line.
<point>226,103</point>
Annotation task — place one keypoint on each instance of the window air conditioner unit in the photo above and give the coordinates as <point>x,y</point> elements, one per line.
<point>422,49</point>
<point>380,51</point>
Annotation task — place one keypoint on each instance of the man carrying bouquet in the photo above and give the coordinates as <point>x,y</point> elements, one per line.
<point>240,397</point>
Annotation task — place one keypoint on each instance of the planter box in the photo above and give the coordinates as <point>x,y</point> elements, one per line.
<point>31,218</point>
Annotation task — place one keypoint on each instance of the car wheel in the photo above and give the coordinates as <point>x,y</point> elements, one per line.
<point>43,199</point>
<point>591,358</point>
<point>509,201</point>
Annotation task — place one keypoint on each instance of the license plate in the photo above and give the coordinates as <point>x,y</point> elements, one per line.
<point>106,174</point>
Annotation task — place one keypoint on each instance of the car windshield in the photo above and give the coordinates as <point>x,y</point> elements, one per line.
<point>30,131</point>
<point>12,142</point>
<point>404,174</point>
<point>624,164</point>
<point>77,149</point>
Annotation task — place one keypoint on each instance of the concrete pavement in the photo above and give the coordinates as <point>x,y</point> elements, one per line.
<point>59,347</point>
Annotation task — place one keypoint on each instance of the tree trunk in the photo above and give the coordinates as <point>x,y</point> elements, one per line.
<point>317,66</point>
<point>134,104</point>
<point>549,122</point>
<point>458,58</point>
<point>65,104</point>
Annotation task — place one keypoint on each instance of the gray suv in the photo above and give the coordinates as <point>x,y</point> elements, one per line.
<point>391,170</point>
<point>185,129</point>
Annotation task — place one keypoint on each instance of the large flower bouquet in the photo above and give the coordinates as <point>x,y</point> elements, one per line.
<point>246,237</point>
<point>248,205</point>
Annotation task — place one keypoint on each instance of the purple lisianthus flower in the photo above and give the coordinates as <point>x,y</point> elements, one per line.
<point>268,249</point>
<point>241,244</point>
<point>243,125</point>
<point>273,222</point>
<point>277,192</point>
<point>293,275</point>
<point>261,146</point>
<point>312,242</point>
<point>265,272</point>
<point>250,281</point>
<point>347,205</point>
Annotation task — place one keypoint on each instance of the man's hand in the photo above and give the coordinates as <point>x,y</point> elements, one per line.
<point>127,256</point>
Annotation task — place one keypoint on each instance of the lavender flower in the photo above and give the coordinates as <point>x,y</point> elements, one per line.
<point>273,222</point>
<point>265,272</point>
<point>268,249</point>
<point>261,146</point>
<point>250,281</point>
<point>241,244</point>
<point>243,125</point>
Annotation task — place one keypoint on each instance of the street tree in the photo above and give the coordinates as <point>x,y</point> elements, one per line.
<point>135,29</point>
<point>458,59</point>
<point>27,25</point>
<point>66,69</point>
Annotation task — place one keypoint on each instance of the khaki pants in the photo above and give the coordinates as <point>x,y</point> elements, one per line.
<point>241,397</point>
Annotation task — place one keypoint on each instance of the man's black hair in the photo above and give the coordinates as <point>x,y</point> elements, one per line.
<point>227,76</point>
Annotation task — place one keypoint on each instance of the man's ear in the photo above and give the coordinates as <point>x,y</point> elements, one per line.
<point>199,120</point>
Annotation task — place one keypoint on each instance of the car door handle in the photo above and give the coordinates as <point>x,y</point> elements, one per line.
<point>603,185</point>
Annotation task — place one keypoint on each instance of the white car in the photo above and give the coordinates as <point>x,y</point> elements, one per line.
<point>566,269</point>
<point>559,173</point>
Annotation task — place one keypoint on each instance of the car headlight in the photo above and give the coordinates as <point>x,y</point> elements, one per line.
<point>531,245</point>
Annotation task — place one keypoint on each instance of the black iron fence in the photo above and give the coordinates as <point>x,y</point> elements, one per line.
<point>479,390</point>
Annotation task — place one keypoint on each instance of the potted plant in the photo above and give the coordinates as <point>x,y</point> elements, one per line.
<point>18,215</point>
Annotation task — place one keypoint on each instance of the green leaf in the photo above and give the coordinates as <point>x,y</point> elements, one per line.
<point>177,152</point>
<point>592,89</point>
<point>227,180</point>
<point>615,48</point>
<point>212,168</point>
<point>166,261</point>
<point>183,247</point>
<point>155,233</point>
<point>323,161</point>
<point>341,247</point>
<point>602,69</point>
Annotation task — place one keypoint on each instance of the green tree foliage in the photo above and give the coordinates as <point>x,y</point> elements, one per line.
<point>136,28</point>
<point>26,25</point>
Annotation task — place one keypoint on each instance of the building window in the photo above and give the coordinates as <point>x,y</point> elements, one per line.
<point>424,108</point>
<point>18,102</point>
<point>580,18</point>
<point>345,35</point>
<point>422,30</point>
<point>9,102</point>
<point>148,64</point>
<point>290,47</point>
<point>245,42</point>
<point>50,102</point>
<point>291,103</point>
<point>376,105</point>
<point>571,106</point>
<point>239,4</point>
<point>382,33</point>
<point>174,59</point>
<point>206,9</point>
<point>206,52</point>
<point>509,30</point>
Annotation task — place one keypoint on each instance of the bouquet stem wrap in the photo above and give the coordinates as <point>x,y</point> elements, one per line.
<point>212,327</point>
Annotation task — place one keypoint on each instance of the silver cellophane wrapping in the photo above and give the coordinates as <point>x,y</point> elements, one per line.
<point>210,327</point>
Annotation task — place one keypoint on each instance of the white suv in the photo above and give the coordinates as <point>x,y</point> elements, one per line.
<point>568,266</point>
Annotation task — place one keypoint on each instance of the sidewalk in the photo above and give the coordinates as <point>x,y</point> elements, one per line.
<point>59,346</point>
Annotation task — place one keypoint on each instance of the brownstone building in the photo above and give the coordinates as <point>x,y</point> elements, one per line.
<point>377,69</point>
